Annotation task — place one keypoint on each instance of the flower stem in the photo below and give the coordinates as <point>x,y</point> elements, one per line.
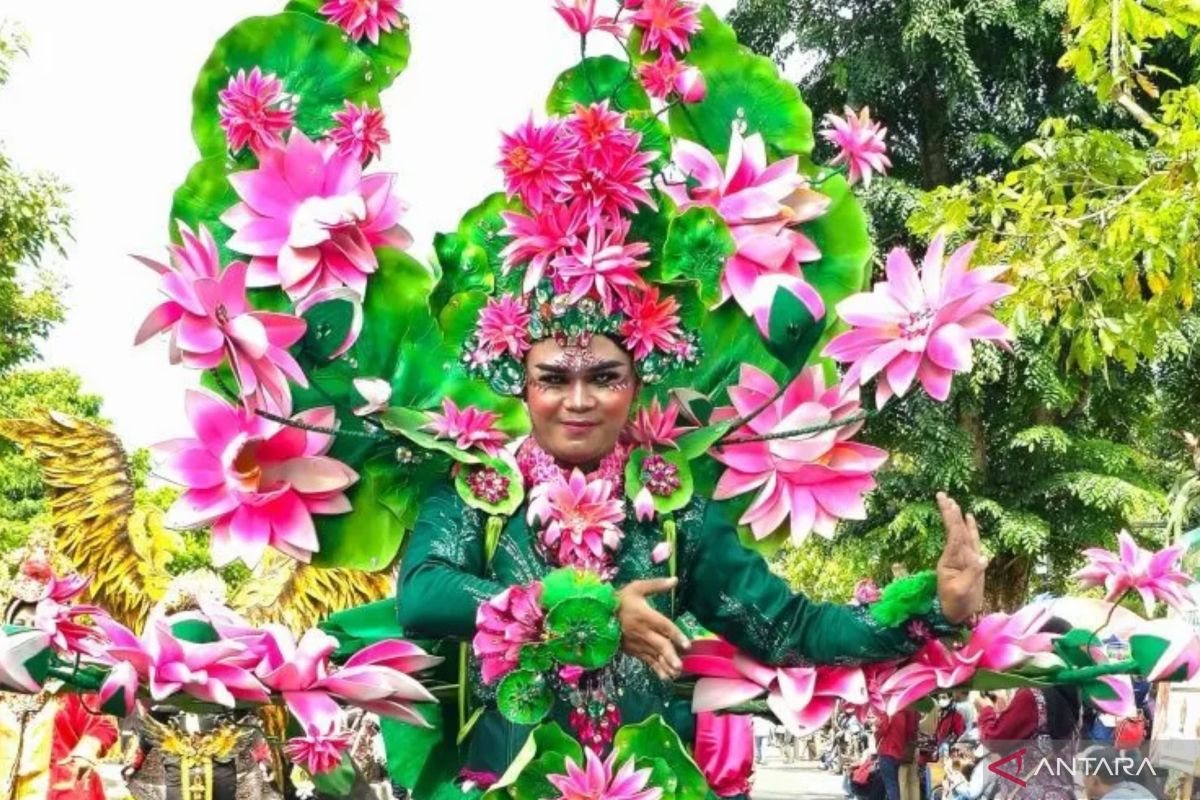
<point>827,426</point>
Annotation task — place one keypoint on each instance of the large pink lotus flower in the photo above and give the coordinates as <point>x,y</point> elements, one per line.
<point>655,427</point>
<point>860,143</point>
<point>211,320</point>
<point>581,17</point>
<point>597,781</point>
<point>311,220</point>
<point>504,326</point>
<point>250,112</point>
<point>535,160</point>
<point>1155,576</point>
<point>16,649</point>
<point>667,24</point>
<point>815,478</point>
<point>256,481</point>
<point>1176,646</point>
<point>318,751</point>
<point>505,624</point>
<point>920,325</point>
<point>802,698</point>
<point>369,18</point>
<point>215,672</point>
<point>580,521</point>
<point>603,265</point>
<point>650,323</point>
<point>761,203</point>
<point>469,427</point>
<point>538,239</point>
<point>609,172</point>
<point>359,131</point>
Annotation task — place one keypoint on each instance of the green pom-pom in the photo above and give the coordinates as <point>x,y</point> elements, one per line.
<point>905,598</point>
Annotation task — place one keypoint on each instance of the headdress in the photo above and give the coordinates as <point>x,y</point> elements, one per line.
<point>30,573</point>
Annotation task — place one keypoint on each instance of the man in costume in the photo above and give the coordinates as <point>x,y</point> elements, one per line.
<point>50,744</point>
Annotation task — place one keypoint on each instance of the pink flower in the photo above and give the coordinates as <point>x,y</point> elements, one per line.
<point>538,239</point>
<point>61,623</point>
<point>598,782</point>
<point>661,552</point>
<point>1174,645</point>
<point>376,391</point>
<point>866,592</point>
<point>816,478</point>
<point>643,506</point>
<point>249,112</point>
<point>650,324</point>
<point>1155,576</point>
<point>318,751</point>
<point>580,521</point>
<point>468,427</point>
<point>360,18</point>
<point>660,476</point>
<point>919,325</point>
<point>690,85</point>
<point>667,24</point>
<point>659,77</point>
<point>603,266</point>
<point>724,752</point>
<point>311,219</point>
<point>802,698</point>
<point>503,625</point>
<point>211,320</point>
<point>121,678</point>
<point>257,482</point>
<point>654,427</point>
<point>581,17</point>
<point>609,173</point>
<point>359,131</point>
<point>761,204</point>
<point>504,326</point>
<point>534,160</point>
<point>860,144</point>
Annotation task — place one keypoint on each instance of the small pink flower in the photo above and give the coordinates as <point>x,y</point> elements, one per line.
<point>360,18</point>
<point>318,752</point>
<point>654,427</point>
<point>667,24</point>
<point>489,485</point>
<point>598,782</point>
<point>250,113</point>
<point>660,476</point>
<point>608,171</point>
<point>468,427</point>
<point>376,391</point>
<point>535,160</point>
<point>643,505</point>
<point>690,85</point>
<point>503,625</point>
<point>359,131</point>
<point>866,592</point>
<point>661,552</point>
<point>504,326</point>
<point>920,325</point>
<point>570,674</point>
<point>860,143</point>
<point>603,265</point>
<point>581,17</point>
<point>1153,575</point>
<point>538,239</point>
<point>659,77</point>
<point>579,521</point>
<point>650,323</point>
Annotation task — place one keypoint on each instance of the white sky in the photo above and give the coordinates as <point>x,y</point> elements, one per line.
<point>104,101</point>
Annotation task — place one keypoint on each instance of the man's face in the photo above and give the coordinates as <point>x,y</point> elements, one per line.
<point>25,615</point>
<point>1093,787</point>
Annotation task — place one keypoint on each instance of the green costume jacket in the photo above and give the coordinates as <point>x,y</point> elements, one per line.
<point>725,586</point>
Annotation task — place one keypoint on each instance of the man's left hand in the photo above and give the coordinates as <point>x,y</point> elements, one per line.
<point>961,568</point>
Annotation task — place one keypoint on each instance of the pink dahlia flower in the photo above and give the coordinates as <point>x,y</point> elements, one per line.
<point>535,160</point>
<point>597,781</point>
<point>503,625</point>
<point>257,482</point>
<point>250,113</point>
<point>919,325</point>
<point>667,24</point>
<point>504,326</point>
<point>211,320</point>
<point>581,17</point>
<point>1155,576</point>
<point>650,323</point>
<point>318,751</point>
<point>659,77</point>
<point>359,131</point>
<point>655,427</point>
<point>609,172</point>
<point>311,219</point>
<point>359,18</point>
<point>580,521</point>
<point>761,203</point>
<point>603,265</point>
<point>469,427</point>
<point>538,239</point>
<point>860,144</point>
<point>815,478</point>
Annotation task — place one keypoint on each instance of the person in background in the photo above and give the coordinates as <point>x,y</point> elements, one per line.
<point>896,741</point>
<point>948,727</point>
<point>762,733</point>
<point>1108,775</point>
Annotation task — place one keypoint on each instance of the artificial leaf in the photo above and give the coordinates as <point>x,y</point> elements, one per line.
<point>411,423</point>
<point>596,80</point>
<point>583,631</point>
<point>338,781</point>
<point>678,498</point>
<point>524,697</point>
<point>547,741</point>
<point>373,508</point>
<point>654,739</point>
<point>201,199</point>
<point>470,256</point>
<point>567,583</point>
<point>507,506</point>
<point>794,332</point>
<point>389,56</point>
<point>697,246</point>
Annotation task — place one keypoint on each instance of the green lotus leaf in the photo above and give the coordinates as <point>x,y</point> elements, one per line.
<point>410,423</point>
<point>380,493</point>
<point>768,545</point>
<point>842,236</point>
<point>660,775</point>
<point>583,631</point>
<point>536,657</point>
<point>698,245</point>
<point>566,583</point>
<point>469,257</point>
<point>654,739</point>
<point>409,747</point>
<point>656,136</point>
<point>694,444</point>
<point>524,697</point>
<point>1074,648</point>
<point>201,200</point>
<point>548,746</point>
<point>697,408</point>
<point>794,332</point>
<point>678,498</point>
<point>390,56</point>
<point>318,67</point>
<point>650,225</point>
<point>329,324</point>
<point>595,80</point>
<point>516,491</point>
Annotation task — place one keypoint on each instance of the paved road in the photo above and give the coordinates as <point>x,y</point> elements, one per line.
<point>803,780</point>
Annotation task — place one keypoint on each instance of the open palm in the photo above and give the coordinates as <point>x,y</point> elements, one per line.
<point>961,568</point>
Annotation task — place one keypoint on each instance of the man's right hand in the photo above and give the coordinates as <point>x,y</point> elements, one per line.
<point>647,634</point>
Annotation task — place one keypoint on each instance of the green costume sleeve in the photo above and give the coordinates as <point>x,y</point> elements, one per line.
<point>442,583</point>
<point>732,592</point>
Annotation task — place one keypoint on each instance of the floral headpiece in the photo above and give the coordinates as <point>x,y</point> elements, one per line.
<point>28,574</point>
